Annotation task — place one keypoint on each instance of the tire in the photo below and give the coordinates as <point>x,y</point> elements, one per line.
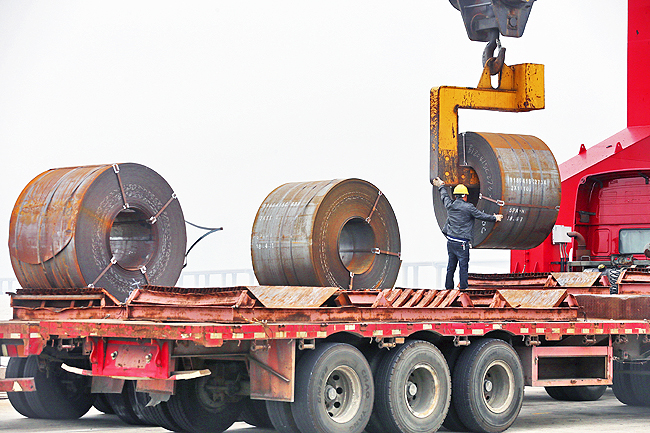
<point>59,394</point>
<point>576,393</point>
<point>123,407</point>
<point>15,370</point>
<point>336,388</point>
<point>281,416</point>
<point>452,421</point>
<point>255,413</point>
<point>163,417</point>
<point>413,389</point>
<point>639,382</point>
<point>139,401</point>
<point>488,386</point>
<point>374,355</point>
<point>557,392</point>
<point>622,385</point>
<point>101,404</point>
<point>196,410</point>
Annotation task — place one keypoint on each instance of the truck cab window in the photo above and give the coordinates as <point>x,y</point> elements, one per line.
<point>633,241</point>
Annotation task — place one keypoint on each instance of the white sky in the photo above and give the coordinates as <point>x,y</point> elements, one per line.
<point>229,99</point>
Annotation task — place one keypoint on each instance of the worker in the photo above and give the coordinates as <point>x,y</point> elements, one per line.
<point>459,230</point>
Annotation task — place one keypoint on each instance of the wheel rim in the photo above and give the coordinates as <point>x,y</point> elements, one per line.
<point>498,387</point>
<point>342,394</point>
<point>421,390</point>
<point>209,394</point>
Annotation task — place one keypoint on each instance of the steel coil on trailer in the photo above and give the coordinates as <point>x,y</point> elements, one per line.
<point>109,226</point>
<point>517,177</point>
<point>340,232</point>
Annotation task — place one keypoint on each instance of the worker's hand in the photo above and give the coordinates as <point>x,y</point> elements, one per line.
<point>437,182</point>
<point>499,217</point>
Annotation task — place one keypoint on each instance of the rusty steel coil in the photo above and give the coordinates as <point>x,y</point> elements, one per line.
<point>339,233</point>
<point>517,177</point>
<point>110,226</point>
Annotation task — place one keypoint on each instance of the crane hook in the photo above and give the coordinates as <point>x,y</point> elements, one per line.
<point>495,63</point>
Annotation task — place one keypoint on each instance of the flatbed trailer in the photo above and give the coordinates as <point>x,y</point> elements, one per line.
<point>238,347</point>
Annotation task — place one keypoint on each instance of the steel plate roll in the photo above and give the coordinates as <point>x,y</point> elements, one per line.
<point>339,233</point>
<point>517,177</point>
<point>110,226</point>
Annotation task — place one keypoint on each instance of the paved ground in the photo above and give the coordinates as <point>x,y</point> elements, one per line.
<point>540,414</point>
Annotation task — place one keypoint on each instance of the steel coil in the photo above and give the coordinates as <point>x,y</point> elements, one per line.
<point>517,177</point>
<point>114,227</point>
<point>339,233</point>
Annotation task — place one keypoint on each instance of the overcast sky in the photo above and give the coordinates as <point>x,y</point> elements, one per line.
<point>229,99</point>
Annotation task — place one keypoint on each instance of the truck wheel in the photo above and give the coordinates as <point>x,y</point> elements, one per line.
<point>336,389</point>
<point>15,370</point>
<point>557,392</point>
<point>488,386</point>
<point>163,417</point>
<point>101,404</point>
<point>123,406</point>
<point>59,394</point>
<point>622,385</point>
<point>255,413</point>
<point>374,355</point>
<point>452,421</point>
<point>139,402</point>
<point>576,393</point>
<point>199,407</point>
<point>639,383</point>
<point>413,389</point>
<point>281,416</point>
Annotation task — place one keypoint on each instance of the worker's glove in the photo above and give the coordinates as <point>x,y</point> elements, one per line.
<point>499,217</point>
<point>437,182</point>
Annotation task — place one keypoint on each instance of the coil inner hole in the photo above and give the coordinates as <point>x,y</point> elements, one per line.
<point>132,239</point>
<point>356,242</point>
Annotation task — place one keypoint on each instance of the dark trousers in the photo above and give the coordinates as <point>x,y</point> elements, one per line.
<point>458,255</point>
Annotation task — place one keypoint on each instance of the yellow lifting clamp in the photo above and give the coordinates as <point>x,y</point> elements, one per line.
<point>521,88</point>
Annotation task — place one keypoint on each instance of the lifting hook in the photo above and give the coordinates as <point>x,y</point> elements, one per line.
<point>495,64</point>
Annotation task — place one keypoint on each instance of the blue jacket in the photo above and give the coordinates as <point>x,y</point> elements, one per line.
<point>461,216</point>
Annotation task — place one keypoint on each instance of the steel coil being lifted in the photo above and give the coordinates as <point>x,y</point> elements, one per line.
<point>326,233</point>
<point>114,227</point>
<point>517,177</point>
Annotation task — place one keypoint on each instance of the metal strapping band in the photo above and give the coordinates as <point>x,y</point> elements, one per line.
<point>503,203</point>
<point>116,169</point>
<point>498,202</point>
<point>112,262</point>
<point>154,218</point>
<point>374,206</point>
<point>143,269</point>
<point>388,253</point>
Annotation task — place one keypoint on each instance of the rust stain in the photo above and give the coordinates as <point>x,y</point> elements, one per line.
<point>292,296</point>
<point>548,298</point>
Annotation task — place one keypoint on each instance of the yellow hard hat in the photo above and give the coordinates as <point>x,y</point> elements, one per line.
<point>461,190</point>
